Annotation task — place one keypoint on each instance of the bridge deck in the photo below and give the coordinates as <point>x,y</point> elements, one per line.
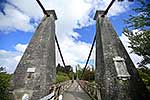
<point>75,92</point>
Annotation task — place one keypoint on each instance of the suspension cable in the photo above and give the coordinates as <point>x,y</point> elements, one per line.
<point>42,7</point>
<point>61,54</point>
<point>60,51</point>
<point>89,56</point>
<point>106,11</point>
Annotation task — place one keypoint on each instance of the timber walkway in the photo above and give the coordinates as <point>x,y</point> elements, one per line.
<point>75,92</point>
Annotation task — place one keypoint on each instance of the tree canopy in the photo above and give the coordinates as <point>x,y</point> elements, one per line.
<point>145,75</point>
<point>138,32</point>
<point>4,84</point>
<point>63,73</point>
<point>89,74</point>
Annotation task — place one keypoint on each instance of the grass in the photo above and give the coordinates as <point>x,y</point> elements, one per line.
<point>61,77</point>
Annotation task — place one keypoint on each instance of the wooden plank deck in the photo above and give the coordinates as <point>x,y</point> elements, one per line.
<point>75,92</point>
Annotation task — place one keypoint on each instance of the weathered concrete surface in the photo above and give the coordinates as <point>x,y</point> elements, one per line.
<point>108,46</point>
<point>75,92</point>
<point>40,54</point>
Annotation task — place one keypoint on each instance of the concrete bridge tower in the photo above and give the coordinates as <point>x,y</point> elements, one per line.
<point>115,72</point>
<point>36,70</point>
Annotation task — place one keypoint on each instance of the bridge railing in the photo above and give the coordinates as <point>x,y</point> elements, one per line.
<point>56,90</point>
<point>91,88</point>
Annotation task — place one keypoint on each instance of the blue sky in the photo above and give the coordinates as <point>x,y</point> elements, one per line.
<point>75,27</point>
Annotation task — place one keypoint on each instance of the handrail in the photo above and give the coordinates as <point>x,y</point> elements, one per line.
<point>56,91</point>
<point>91,88</point>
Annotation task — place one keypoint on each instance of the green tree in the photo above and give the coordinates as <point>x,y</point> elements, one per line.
<point>4,84</point>
<point>89,74</point>
<point>145,75</point>
<point>79,71</point>
<point>140,40</point>
<point>61,77</point>
<point>63,73</point>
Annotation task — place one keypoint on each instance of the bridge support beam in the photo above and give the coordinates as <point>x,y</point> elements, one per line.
<point>115,72</point>
<point>37,69</point>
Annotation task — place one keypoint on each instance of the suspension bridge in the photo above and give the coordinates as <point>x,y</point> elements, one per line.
<point>116,77</point>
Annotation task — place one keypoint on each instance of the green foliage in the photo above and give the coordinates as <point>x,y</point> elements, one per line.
<point>66,73</point>
<point>89,74</point>
<point>142,19</point>
<point>140,40</point>
<point>4,84</point>
<point>145,75</point>
<point>61,77</point>
<point>60,68</point>
<point>63,73</point>
<point>66,69</point>
<point>79,71</point>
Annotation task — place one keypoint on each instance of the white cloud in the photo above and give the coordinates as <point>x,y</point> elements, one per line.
<point>116,9</point>
<point>21,47</point>
<point>135,58</point>
<point>14,20</point>
<point>28,7</point>
<point>74,52</point>
<point>17,58</point>
<point>10,59</point>
<point>69,13</point>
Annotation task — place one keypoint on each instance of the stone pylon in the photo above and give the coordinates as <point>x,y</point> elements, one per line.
<point>116,74</point>
<point>37,69</point>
